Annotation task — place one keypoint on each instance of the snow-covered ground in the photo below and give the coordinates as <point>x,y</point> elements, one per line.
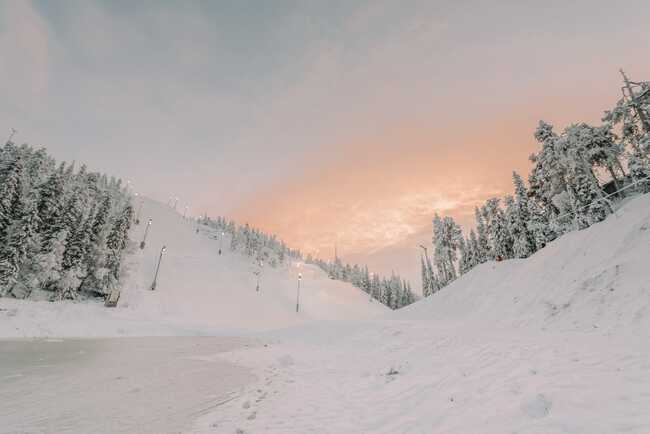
<point>557,343</point>
<point>198,291</point>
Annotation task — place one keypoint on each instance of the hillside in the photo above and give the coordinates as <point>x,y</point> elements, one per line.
<point>596,278</point>
<point>555,343</point>
<point>198,291</point>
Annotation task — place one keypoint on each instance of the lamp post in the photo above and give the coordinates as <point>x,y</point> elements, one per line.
<point>221,242</point>
<point>155,277</point>
<point>146,231</point>
<point>298,293</point>
<point>137,215</point>
<point>259,273</point>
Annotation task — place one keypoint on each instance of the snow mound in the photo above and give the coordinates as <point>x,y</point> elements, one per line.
<point>595,278</point>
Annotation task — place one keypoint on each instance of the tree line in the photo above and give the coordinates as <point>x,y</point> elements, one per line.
<point>393,292</point>
<point>63,231</point>
<point>252,242</point>
<point>577,176</point>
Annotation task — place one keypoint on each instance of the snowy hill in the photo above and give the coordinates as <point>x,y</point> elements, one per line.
<point>556,343</point>
<point>594,278</point>
<point>198,291</point>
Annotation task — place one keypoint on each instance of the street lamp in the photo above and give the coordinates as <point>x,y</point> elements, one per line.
<point>298,293</point>
<point>146,231</point>
<point>259,272</point>
<point>137,215</point>
<point>221,242</point>
<point>155,277</point>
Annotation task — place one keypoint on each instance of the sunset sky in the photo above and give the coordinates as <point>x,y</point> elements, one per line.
<point>326,122</point>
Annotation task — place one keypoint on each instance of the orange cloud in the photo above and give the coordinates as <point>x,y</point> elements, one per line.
<point>370,193</point>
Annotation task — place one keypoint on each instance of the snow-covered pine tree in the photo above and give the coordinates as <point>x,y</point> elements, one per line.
<point>464,263</point>
<point>11,189</point>
<point>116,243</point>
<point>497,229</point>
<point>22,244</point>
<point>473,249</point>
<point>426,285</point>
<point>518,215</point>
<point>483,251</point>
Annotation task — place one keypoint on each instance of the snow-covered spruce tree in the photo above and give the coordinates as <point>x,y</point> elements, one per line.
<point>48,231</point>
<point>499,236</point>
<point>446,241</point>
<point>539,223</point>
<point>483,251</point>
<point>473,250</point>
<point>519,219</point>
<point>116,243</point>
<point>426,286</point>
<point>11,189</point>
<point>22,244</point>
<point>464,263</point>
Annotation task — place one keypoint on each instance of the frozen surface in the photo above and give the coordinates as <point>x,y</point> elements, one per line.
<point>118,385</point>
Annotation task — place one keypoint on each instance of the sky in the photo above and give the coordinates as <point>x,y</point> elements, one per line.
<point>347,123</point>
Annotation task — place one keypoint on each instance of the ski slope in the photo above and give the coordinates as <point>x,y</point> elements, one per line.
<point>553,344</point>
<point>198,291</point>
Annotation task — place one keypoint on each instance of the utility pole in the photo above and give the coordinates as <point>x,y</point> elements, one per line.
<point>155,277</point>
<point>633,100</point>
<point>298,293</point>
<point>144,238</point>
